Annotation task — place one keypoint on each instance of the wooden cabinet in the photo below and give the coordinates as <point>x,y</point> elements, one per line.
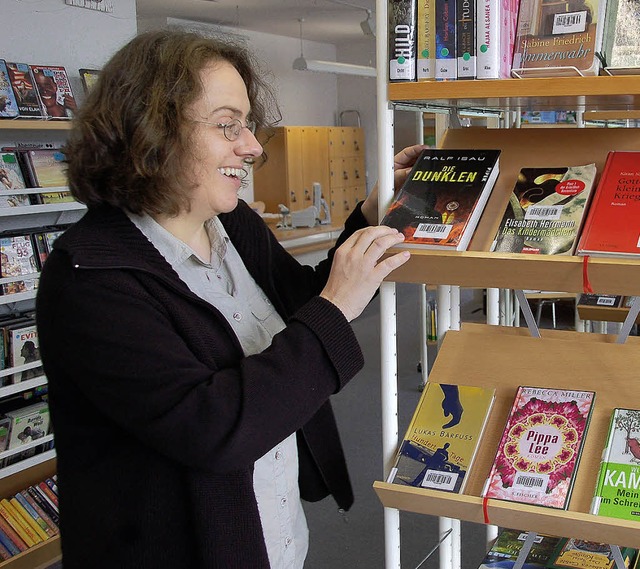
<point>298,156</point>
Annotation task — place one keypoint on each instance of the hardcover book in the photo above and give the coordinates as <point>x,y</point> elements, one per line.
<point>545,210</point>
<point>506,548</point>
<point>55,91</point>
<point>402,40</point>
<point>25,90</point>
<point>559,38</point>
<point>611,227</point>
<point>495,37</point>
<point>28,424</point>
<point>609,300</point>
<point>446,58</point>
<point>616,493</point>
<point>441,441</point>
<point>540,447</point>
<point>11,178</point>
<point>581,554</point>
<point>466,38</point>
<point>442,199</point>
<point>8,102</point>
<point>426,40</point>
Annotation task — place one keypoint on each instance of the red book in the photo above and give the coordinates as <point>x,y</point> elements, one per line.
<point>611,228</point>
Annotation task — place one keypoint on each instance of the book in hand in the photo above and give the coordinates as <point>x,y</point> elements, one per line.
<point>25,90</point>
<point>54,90</point>
<point>442,199</point>
<point>608,300</point>
<point>611,227</point>
<point>442,439</point>
<point>575,553</point>
<point>11,178</point>
<point>617,488</point>
<point>506,548</point>
<point>8,103</point>
<point>545,210</point>
<point>540,447</point>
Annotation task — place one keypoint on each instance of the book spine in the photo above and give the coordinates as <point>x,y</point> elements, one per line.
<point>44,504</point>
<point>488,39</point>
<point>28,519</point>
<point>52,527</point>
<point>466,38</point>
<point>426,57</point>
<point>48,495</point>
<point>35,515</point>
<point>508,26</point>
<point>4,552</point>
<point>6,511</point>
<point>6,542</point>
<point>8,530</point>
<point>446,60</point>
<point>402,40</point>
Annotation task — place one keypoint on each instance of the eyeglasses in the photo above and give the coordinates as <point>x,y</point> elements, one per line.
<point>232,129</point>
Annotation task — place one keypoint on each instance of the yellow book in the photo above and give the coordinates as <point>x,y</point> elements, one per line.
<point>10,517</point>
<point>33,536</point>
<point>28,518</point>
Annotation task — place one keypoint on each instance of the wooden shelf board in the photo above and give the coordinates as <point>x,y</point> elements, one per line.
<point>558,93</point>
<point>18,124</point>
<point>604,313</point>
<point>39,556</point>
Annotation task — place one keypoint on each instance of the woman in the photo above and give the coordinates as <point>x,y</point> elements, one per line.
<point>190,358</point>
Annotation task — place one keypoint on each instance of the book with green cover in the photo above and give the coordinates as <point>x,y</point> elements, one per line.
<point>617,492</point>
<point>572,553</point>
<point>441,441</point>
<point>506,548</point>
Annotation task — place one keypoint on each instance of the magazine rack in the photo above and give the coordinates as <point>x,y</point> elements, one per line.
<point>505,358</point>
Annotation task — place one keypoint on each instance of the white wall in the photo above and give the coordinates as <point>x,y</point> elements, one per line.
<point>48,32</point>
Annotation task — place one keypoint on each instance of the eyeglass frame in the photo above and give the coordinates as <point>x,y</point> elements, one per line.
<point>226,127</point>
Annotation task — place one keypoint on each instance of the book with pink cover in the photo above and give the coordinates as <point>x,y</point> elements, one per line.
<point>540,447</point>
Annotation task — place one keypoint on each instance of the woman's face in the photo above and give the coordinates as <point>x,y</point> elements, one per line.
<point>218,163</point>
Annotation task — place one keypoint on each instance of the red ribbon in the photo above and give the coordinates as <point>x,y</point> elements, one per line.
<point>485,510</point>
<point>586,285</point>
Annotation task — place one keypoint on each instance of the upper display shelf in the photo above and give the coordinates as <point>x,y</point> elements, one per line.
<point>620,93</point>
<point>18,124</point>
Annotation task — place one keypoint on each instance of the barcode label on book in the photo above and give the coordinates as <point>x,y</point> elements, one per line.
<point>439,480</point>
<point>433,231</point>
<point>543,212</point>
<point>606,301</point>
<point>530,481</point>
<point>569,23</point>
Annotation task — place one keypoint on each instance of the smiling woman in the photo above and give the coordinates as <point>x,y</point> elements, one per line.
<point>176,331</point>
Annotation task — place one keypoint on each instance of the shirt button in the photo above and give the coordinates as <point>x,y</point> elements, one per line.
<point>237,316</point>
<point>278,455</point>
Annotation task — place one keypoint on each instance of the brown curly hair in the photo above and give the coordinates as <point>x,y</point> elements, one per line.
<point>131,139</point>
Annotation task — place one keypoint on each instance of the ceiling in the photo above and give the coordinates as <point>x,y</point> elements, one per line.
<point>329,21</point>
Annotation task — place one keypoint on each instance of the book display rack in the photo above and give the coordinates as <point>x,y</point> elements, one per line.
<point>502,357</point>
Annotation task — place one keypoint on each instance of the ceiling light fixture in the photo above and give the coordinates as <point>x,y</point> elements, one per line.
<point>303,64</point>
<point>368,25</point>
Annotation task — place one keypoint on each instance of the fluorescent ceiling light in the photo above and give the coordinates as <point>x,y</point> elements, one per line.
<point>303,64</point>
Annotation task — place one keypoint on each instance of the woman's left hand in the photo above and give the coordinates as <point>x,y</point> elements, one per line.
<point>402,164</point>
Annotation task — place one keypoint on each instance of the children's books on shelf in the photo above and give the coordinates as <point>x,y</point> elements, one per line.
<point>611,227</point>
<point>545,211</point>
<point>441,201</point>
<point>441,441</point>
<point>540,447</point>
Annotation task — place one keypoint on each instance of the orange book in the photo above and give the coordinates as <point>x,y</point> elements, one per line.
<point>28,519</point>
<point>611,227</point>
<point>6,511</point>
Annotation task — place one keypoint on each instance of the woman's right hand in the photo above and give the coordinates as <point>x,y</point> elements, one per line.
<point>356,271</point>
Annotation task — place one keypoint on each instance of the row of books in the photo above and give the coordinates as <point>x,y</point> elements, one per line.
<point>550,552</point>
<point>550,210</point>
<point>32,168</point>
<point>538,453</point>
<point>29,517</point>
<point>24,254</point>
<point>494,39</point>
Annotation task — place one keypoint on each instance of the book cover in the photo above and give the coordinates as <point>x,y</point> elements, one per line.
<point>25,90</point>
<point>540,447</point>
<point>426,40</point>
<point>581,554</point>
<point>611,226</point>
<point>5,426</point>
<point>24,348</point>
<point>11,178</point>
<point>12,534</point>
<point>625,48</point>
<point>403,16</point>
<point>441,441</point>
<point>28,424</point>
<point>495,37</point>
<point>17,256</point>
<point>545,210</point>
<point>506,548</point>
<point>8,102</point>
<point>558,38</point>
<point>50,495</point>
<point>441,201</point>
<point>89,77</point>
<point>617,492</point>
<point>446,57</point>
<point>55,91</point>
<point>466,39</point>
<point>50,238</point>
<point>26,517</point>
<point>609,300</point>
<point>48,170</point>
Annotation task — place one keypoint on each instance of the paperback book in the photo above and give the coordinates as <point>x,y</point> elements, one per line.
<point>402,40</point>
<point>617,492</point>
<point>443,197</point>
<point>24,89</point>
<point>507,546</point>
<point>545,210</point>
<point>11,178</point>
<point>8,102</point>
<point>446,59</point>
<point>575,553</point>
<point>540,447</point>
<point>609,300</point>
<point>54,90</point>
<point>426,40</point>
<point>611,227</point>
<point>495,36</point>
<point>441,441</point>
